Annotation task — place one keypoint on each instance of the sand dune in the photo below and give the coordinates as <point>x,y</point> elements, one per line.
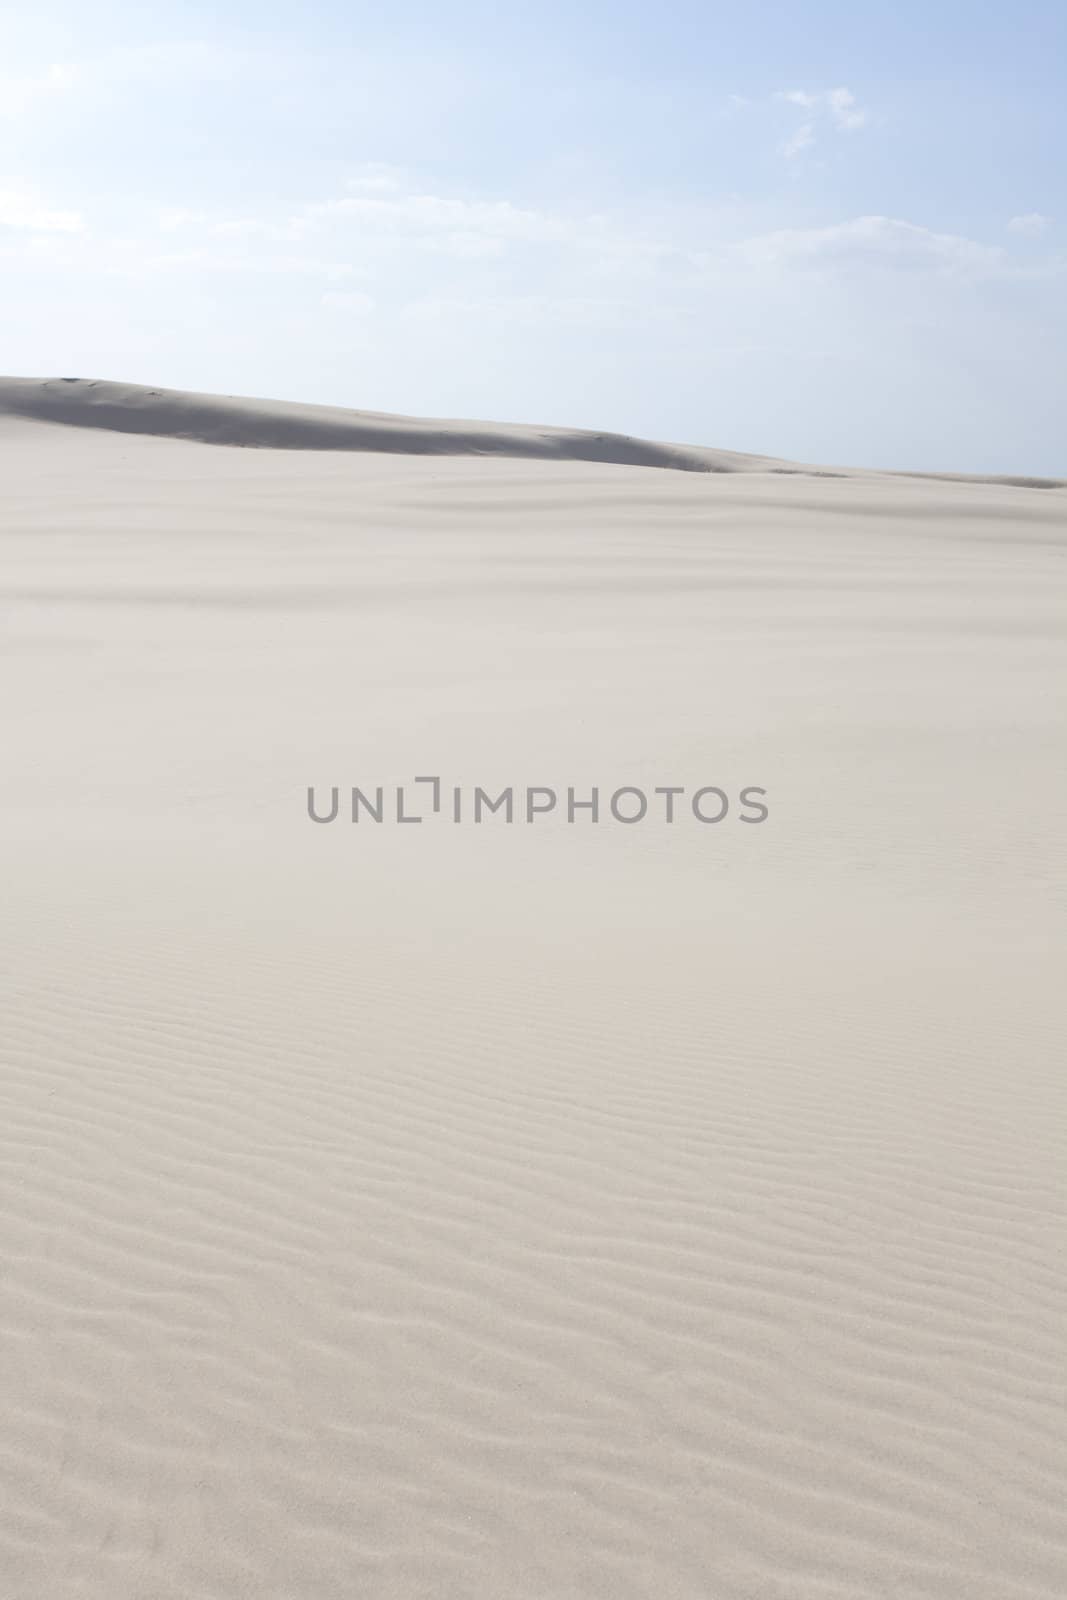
<point>272,424</point>
<point>537,1210</point>
<point>276,425</point>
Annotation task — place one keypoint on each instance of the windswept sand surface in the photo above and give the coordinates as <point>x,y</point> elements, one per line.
<point>544,1211</point>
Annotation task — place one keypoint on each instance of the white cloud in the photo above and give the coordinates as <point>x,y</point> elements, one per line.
<point>1031,223</point>
<point>179,219</point>
<point>376,177</point>
<point>351,301</point>
<point>258,264</point>
<point>836,107</point>
<point>19,94</point>
<point>385,237</point>
<point>172,218</point>
<point>844,110</point>
<point>533,311</point>
<point>21,209</point>
<point>165,62</point>
<point>383,214</point>
<point>439,216</point>
<point>804,136</point>
<point>877,240</point>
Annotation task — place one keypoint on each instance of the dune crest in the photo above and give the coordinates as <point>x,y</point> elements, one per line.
<point>280,425</point>
<point>241,422</point>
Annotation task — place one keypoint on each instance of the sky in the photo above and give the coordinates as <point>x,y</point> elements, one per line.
<point>834,233</point>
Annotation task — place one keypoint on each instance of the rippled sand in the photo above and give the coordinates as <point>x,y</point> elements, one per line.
<point>537,1211</point>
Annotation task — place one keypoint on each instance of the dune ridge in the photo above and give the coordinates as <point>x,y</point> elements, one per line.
<point>241,422</point>
<point>281,425</point>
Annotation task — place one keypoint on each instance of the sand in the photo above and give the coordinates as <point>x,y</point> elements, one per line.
<point>542,1210</point>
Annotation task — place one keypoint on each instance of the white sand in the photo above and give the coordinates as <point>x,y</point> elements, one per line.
<point>536,1212</point>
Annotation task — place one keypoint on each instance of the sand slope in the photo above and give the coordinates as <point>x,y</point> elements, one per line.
<point>536,1211</point>
<point>273,424</point>
<point>277,425</point>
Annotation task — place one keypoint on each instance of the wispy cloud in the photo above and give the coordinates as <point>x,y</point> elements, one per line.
<point>840,104</point>
<point>388,242</point>
<point>834,108</point>
<point>164,62</point>
<point>22,209</point>
<point>540,310</point>
<point>352,301</point>
<point>800,141</point>
<point>439,217</point>
<point>130,257</point>
<point>875,240</point>
<point>18,94</point>
<point>1031,223</point>
<point>383,213</point>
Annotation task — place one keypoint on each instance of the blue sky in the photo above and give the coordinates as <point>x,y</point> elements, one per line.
<point>835,233</point>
